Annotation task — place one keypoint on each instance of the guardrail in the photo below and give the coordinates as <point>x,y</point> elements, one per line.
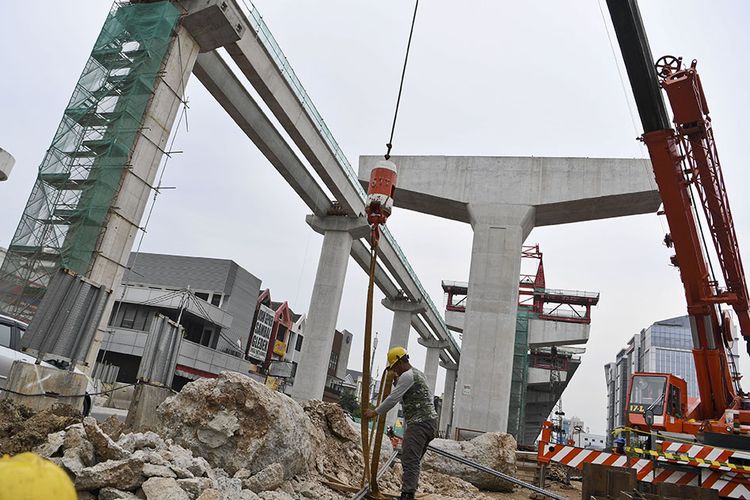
<point>274,50</point>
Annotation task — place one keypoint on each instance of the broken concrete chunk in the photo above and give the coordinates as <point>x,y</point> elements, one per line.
<point>120,474</point>
<point>112,427</point>
<point>150,457</point>
<point>211,494</point>
<point>195,486</point>
<point>115,494</point>
<point>275,495</point>
<point>229,487</point>
<point>151,470</point>
<point>181,473</point>
<point>104,447</point>
<point>140,440</point>
<point>269,478</point>
<point>248,495</point>
<point>86,495</point>
<point>53,444</point>
<point>163,488</point>
<point>496,450</point>
<point>212,418</point>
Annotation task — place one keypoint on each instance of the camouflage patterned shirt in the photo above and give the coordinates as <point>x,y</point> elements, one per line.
<point>416,398</point>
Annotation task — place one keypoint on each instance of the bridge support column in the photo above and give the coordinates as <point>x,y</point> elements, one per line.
<point>338,233</point>
<point>499,232</point>
<point>446,415</point>
<point>403,309</point>
<point>434,348</point>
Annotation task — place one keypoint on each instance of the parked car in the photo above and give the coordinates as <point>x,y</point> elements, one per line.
<point>11,332</point>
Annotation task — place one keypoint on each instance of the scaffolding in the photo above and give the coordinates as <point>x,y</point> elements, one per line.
<point>82,171</point>
<point>520,376</point>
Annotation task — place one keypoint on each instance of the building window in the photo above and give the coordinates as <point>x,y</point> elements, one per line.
<point>216,299</point>
<point>202,296</point>
<point>333,361</point>
<point>133,317</point>
<point>281,333</point>
<point>298,347</point>
<point>5,335</point>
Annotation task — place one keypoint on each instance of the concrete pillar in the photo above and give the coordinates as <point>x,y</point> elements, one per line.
<point>338,233</point>
<point>142,415</point>
<point>28,380</point>
<point>403,308</point>
<point>446,415</point>
<point>118,236</point>
<point>434,348</point>
<point>490,326</point>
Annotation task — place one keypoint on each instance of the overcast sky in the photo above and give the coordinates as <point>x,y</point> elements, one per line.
<point>484,78</point>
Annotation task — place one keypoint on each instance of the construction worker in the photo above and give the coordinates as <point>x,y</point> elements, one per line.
<point>620,445</point>
<point>421,419</point>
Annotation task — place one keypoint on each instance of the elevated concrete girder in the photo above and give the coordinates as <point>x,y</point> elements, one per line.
<point>503,198</point>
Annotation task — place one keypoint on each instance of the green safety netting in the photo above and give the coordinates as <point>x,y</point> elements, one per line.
<point>81,172</point>
<point>519,379</point>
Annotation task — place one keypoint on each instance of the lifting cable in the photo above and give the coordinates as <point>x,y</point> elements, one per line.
<point>377,212</point>
<point>389,145</point>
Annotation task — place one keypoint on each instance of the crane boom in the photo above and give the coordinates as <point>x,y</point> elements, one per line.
<point>685,161</point>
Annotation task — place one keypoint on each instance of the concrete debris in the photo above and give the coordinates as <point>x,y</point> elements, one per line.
<point>54,443</point>
<point>104,447</point>
<point>496,450</point>
<point>163,488</point>
<point>195,486</point>
<point>231,438</point>
<point>235,422</point>
<point>112,427</point>
<point>114,494</point>
<point>121,474</point>
<point>269,478</point>
<point>139,441</point>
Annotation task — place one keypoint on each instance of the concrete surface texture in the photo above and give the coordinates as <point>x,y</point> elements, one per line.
<point>504,198</point>
<point>446,414</point>
<point>28,378</point>
<point>117,239</point>
<point>338,234</point>
<point>403,311</point>
<point>432,359</point>
<point>142,412</point>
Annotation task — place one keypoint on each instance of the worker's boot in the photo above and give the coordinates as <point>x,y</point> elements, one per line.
<point>406,496</point>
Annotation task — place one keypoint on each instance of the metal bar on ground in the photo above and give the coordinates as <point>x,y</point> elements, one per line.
<point>496,473</point>
<point>361,494</point>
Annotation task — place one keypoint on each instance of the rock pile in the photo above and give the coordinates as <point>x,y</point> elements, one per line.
<point>21,428</point>
<point>496,450</point>
<point>231,438</point>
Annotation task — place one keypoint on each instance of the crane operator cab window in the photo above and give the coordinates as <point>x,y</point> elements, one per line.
<point>647,393</point>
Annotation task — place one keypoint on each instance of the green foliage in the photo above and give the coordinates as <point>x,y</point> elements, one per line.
<point>349,403</point>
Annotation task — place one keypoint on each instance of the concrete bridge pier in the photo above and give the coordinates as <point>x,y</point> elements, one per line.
<point>446,414</point>
<point>434,348</point>
<point>338,234</point>
<point>503,198</point>
<point>489,333</point>
<point>403,310</point>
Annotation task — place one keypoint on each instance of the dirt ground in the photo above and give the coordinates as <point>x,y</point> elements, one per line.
<point>21,429</point>
<point>571,492</point>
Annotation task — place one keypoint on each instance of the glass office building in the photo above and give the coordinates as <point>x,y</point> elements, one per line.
<point>664,347</point>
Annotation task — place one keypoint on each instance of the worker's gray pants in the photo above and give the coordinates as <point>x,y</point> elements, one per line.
<point>416,438</point>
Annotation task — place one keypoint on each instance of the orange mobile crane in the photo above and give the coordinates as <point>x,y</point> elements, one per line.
<point>704,445</point>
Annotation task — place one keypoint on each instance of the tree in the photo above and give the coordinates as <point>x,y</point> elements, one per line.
<point>349,403</point>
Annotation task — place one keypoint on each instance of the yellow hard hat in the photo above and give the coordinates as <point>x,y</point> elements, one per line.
<point>27,476</point>
<point>394,354</point>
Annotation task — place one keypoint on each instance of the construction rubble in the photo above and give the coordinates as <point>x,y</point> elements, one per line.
<point>232,438</point>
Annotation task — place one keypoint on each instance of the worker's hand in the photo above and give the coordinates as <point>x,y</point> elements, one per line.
<point>370,413</point>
